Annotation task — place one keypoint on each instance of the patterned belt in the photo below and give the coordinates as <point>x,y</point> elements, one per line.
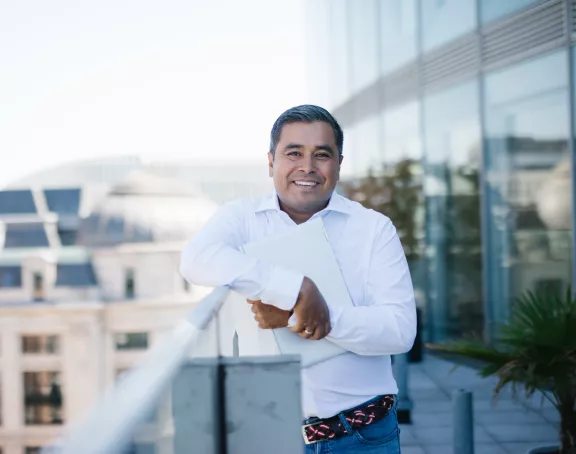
<point>331,428</point>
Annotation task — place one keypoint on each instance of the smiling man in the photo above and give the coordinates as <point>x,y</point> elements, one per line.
<point>349,401</point>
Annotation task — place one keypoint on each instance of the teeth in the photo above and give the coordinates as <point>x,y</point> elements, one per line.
<point>305,183</point>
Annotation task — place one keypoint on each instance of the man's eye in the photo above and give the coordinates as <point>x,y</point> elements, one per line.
<point>294,153</point>
<point>323,155</point>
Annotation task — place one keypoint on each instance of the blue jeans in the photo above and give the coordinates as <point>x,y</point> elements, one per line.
<point>380,437</point>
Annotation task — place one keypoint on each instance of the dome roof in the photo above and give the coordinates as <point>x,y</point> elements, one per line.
<point>146,208</point>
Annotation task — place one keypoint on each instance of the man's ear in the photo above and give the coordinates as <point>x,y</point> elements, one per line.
<point>270,164</point>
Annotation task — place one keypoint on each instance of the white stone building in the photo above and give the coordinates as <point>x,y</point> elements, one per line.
<point>83,296</point>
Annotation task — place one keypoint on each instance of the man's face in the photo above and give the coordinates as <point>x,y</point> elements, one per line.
<point>305,167</point>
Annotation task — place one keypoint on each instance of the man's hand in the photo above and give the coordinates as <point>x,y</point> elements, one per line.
<point>312,315</point>
<point>268,316</point>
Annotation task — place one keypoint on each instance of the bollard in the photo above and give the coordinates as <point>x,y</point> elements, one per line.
<point>463,422</point>
<point>235,346</point>
<point>404,408</point>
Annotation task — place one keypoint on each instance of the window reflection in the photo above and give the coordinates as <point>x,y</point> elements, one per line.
<point>363,22</point>
<point>451,186</point>
<point>392,182</point>
<point>528,177</point>
<point>339,79</point>
<point>445,20</point>
<point>397,33</point>
<point>495,9</point>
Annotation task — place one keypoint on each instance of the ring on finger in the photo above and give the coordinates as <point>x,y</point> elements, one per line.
<point>307,331</point>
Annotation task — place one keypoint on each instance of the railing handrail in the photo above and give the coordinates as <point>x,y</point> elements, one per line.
<point>113,419</point>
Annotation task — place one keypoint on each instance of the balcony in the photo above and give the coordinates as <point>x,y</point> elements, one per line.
<point>193,393</point>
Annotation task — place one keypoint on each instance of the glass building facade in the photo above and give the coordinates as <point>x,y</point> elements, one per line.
<point>459,125</point>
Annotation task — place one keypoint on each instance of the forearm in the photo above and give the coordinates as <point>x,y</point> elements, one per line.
<point>217,264</point>
<point>387,329</point>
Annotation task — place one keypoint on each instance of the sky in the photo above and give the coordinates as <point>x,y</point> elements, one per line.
<point>165,80</point>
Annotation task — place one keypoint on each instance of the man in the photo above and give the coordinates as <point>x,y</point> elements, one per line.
<point>349,400</point>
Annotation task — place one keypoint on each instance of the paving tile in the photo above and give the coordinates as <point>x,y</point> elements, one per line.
<point>521,432</point>
<point>524,416</point>
<point>430,406</point>
<point>440,435</point>
<point>406,437</point>
<point>483,405</point>
<point>522,448</point>
<point>432,419</point>
<point>427,395</point>
<point>412,450</point>
<point>479,448</point>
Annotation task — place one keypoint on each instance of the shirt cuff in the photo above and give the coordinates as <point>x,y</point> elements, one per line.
<point>282,289</point>
<point>335,315</point>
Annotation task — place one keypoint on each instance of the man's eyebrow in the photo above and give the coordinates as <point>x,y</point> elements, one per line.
<point>297,146</point>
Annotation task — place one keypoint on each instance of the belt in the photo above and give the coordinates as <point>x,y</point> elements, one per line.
<point>331,428</point>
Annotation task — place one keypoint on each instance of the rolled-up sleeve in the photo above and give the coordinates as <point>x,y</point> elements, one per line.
<point>386,325</point>
<point>213,258</point>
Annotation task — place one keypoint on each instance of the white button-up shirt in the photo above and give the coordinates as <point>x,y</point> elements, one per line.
<point>368,250</point>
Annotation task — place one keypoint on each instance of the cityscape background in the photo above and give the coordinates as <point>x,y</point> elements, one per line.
<point>123,127</point>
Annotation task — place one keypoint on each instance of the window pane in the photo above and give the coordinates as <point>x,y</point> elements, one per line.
<point>339,56</point>
<point>131,341</point>
<point>63,201</point>
<point>494,9</point>
<point>25,235</point>
<point>43,398</point>
<point>129,284</point>
<point>362,146</point>
<point>445,20</point>
<point>402,158</point>
<point>75,275</point>
<point>10,276</point>
<point>47,344</point>
<point>452,154</point>
<point>364,49</point>
<point>17,202</point>
<point>528,176</point>
<point>397,33</point>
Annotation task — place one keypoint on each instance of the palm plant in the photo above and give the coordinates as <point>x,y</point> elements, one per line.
<point>535,350</point>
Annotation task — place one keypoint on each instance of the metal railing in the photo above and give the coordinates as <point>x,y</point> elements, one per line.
<point>117,414</point>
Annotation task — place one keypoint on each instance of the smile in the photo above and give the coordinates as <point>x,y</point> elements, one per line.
<point>308,184</point>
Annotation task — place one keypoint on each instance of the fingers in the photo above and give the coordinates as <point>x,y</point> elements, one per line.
<point>317,333</point>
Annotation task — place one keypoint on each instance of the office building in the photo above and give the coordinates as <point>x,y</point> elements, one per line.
<point>459,124</point>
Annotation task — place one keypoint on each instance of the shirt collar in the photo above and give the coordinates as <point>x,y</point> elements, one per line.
<point>337,203</point>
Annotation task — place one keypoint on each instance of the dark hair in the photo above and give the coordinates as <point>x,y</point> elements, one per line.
<point>306,113</point>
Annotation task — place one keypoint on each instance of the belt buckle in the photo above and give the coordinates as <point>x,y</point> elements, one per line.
<point>306,441</point>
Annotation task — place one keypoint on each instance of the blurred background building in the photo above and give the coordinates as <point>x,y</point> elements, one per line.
<point>459,124</point>
<point>89,257</point>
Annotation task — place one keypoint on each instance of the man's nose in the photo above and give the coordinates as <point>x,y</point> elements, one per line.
<point>307,164</point>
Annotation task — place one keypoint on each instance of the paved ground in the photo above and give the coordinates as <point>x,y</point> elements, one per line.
<point>508,426</point>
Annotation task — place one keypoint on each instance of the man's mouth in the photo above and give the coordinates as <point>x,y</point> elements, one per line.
<point>306,184</point>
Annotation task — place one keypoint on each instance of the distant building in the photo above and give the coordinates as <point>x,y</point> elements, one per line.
<point>88,282</point>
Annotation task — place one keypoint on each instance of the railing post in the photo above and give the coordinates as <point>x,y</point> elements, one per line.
<point>401,373</point>
<point>262,411</point>
<point>235,346</point>
<point>463,416</point>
